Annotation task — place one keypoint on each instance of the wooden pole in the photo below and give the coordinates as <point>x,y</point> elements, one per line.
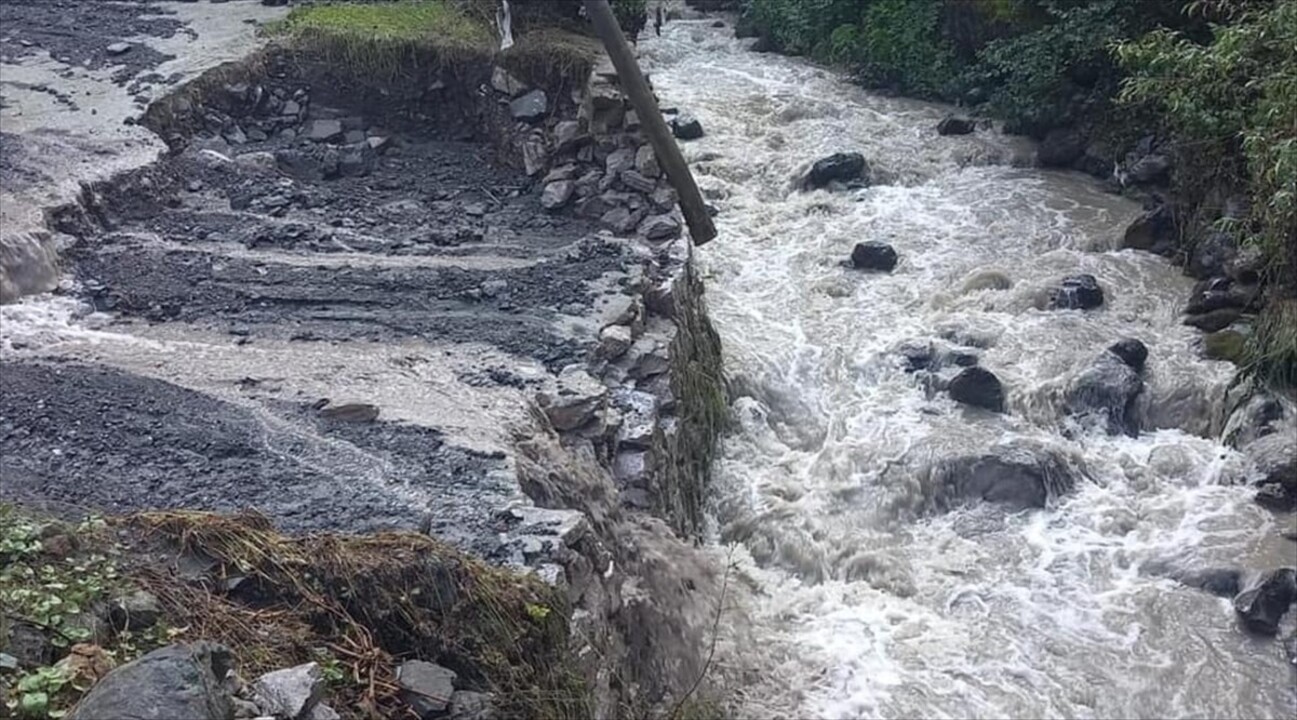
<point>641,97</point>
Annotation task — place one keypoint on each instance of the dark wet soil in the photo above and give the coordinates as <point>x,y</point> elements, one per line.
<point>99,438</point>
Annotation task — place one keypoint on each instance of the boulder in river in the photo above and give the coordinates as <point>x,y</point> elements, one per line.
<point>1153,231</point>
<point>873,255</point>
<point>1274,457</point>
<point>839,167</point>
<point>686,127</point>
<point>1107,391</point>
<point>1261,607</point>
<point>1077,292</point>
<point>177,681</point>
<point>1130,351</point>
<point>978,387</point>
<point>1017,475</point>
<point>1221,582</point>
<point>955,125</point>
<point>1210,322</point>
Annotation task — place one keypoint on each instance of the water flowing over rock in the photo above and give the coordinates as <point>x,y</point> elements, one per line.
<point>978,387</point>
<point>873,255</point>
<point>1017,476</point>
<point>1077,292</point>
<point>955,125</point>
<point>839,167</point>
<point>686,127</point>
<point>1107,391</point>
<point>1261,607</point>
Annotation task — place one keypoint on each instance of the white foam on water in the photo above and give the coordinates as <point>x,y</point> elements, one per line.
<point>849,602</point>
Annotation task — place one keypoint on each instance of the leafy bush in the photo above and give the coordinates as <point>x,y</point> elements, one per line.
<point>1047,77</point>
<point>1236,94</point>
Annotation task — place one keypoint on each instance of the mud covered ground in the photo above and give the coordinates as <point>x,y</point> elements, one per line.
<point>221,280</point>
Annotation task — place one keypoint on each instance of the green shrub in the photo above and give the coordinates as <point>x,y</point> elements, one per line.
<point>1232,99</point>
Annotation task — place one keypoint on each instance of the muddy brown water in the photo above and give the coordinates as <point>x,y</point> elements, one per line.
<point>846,603</point>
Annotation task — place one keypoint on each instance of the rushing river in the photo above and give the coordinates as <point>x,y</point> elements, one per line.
<point>845,600</point>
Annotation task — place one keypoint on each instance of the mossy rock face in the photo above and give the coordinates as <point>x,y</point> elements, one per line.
<point>1225,344</point>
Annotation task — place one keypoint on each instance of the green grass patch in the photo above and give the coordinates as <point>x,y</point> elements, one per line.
<point>387,38</point>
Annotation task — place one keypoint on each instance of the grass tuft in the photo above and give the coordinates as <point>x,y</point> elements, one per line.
<point>1272,353</point>
<point>385,39</point>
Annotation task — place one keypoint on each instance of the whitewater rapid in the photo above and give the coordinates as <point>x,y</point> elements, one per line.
<point>845,599</point>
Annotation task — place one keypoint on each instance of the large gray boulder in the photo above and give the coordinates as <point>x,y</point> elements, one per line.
<point>1017,475</point>
<point>1107,391</point>
<point>174,682</point>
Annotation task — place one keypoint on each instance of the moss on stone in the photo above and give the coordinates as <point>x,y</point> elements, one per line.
<point>1228,345</point>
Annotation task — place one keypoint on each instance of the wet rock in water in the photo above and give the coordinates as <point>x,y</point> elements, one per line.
<point>1221,582</point>
<point>686,127</point>
<point>978,387</point>
<point>577,398</point>
<point>324,130</point>
<point>955,125</point>
<point>660,227</point>
<point>118,48</point>
<point>1273,496</point>
<point>1274,457</point>
<point>530,107</point>
<point>351,412</point>
<point>1077,292</point>
<point>138,611</point>
<point>1211,255</point>
<point>1152,168</point>
<point>1130,351</point>
<point>1016,475</point>
<point>1212,294</point>
<point>177,681</point>
<point>556,194</point>
<point>1106,392</point>
<point>290,693</point>
<point>428,688</point>
<point>1261,607</point>
<point>1153,231</point>
<point>1060,148</point>
<point>1210,322</point>
<point>873,255</point>
<point>839,167</point>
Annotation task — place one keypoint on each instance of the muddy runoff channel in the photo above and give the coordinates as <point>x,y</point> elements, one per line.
<point>458,302</point>
<point>875,573</point>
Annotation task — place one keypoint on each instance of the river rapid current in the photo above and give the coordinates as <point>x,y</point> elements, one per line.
<point>847,596</point>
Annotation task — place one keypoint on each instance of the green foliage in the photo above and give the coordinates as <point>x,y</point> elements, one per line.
<point>892,43</point>
<point>898,46</point>
<point>50,591</point>
<point>1235,95</point>
<point>410,20</point>
<point>1044,78</point>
